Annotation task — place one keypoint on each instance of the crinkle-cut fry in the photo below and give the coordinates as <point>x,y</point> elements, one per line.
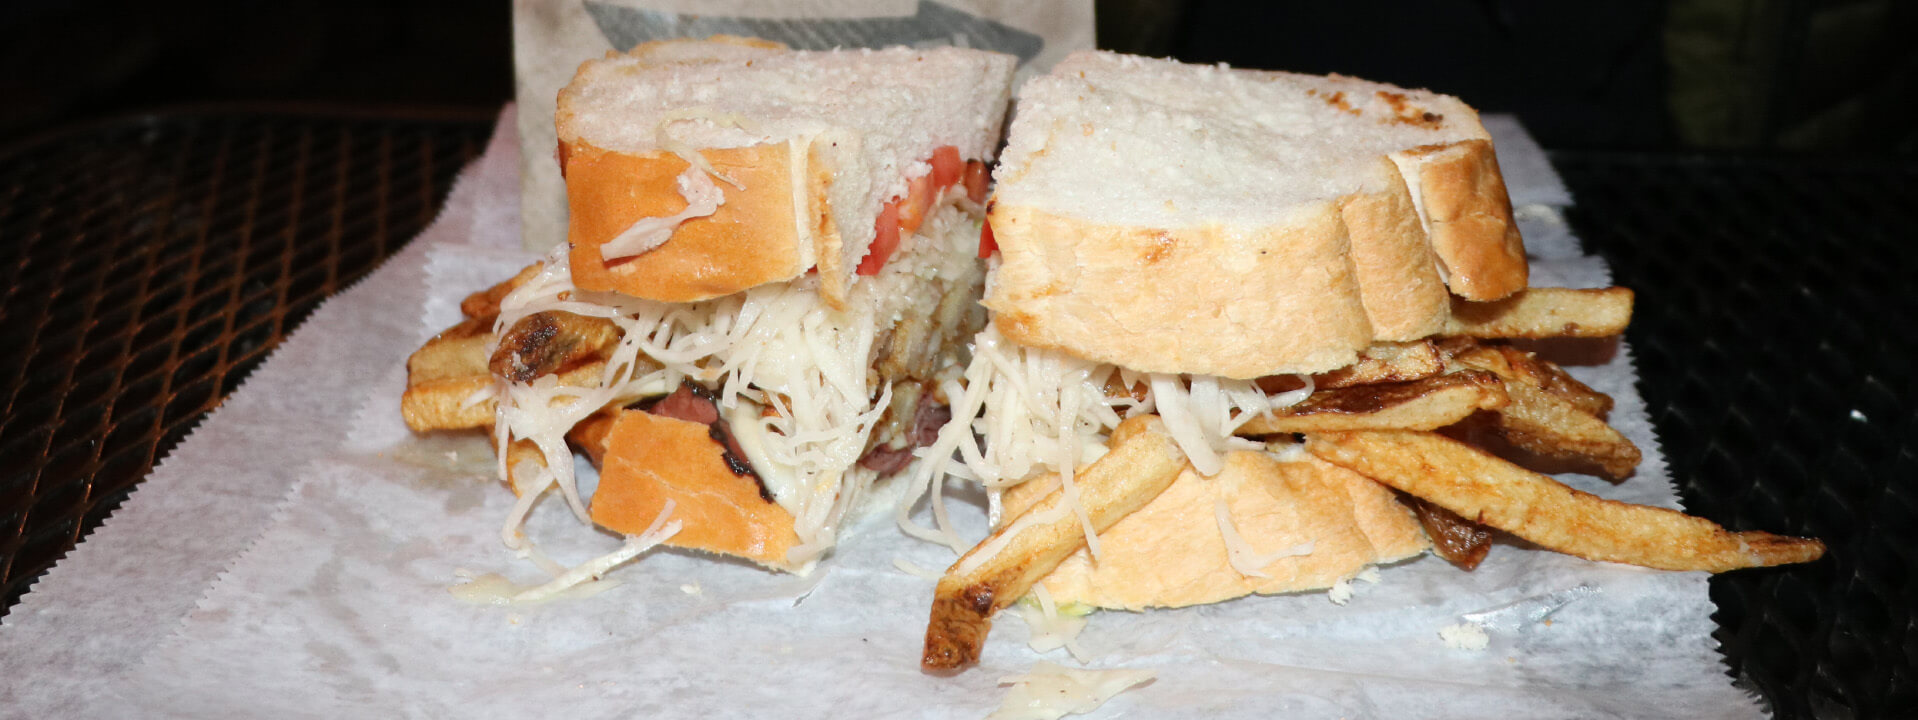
<point>1386,362</point>
<point>549,342</point>
<point>485,303</point>
<point>1544,312</point>
<point>1515,365</point>
<point>1143,462</point>
<point>1427,404</point>
<point>1487,490</point>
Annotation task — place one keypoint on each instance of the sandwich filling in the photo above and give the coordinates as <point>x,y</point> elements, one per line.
<point>1023,411</point>
<point>804,391</point>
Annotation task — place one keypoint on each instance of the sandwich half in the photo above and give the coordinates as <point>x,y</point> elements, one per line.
<point>770,256</point>
<point>1207,286</point>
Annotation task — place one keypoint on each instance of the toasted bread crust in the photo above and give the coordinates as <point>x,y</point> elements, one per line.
<point>1213,300</point>
<point>1171,553</point>
<point>1397,271</point>
<point>649,459</point>
<point>1469,218</point>
<point>752,239</point>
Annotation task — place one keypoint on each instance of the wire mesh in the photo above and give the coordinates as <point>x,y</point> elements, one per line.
<point>1773,331</point>
<point>147,265</point>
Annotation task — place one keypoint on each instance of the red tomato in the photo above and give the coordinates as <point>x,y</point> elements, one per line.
<point>919,197</point>
<point>885,240</point>
<point>987,246</point>
<point>946,167</point>
<point>977,177</point>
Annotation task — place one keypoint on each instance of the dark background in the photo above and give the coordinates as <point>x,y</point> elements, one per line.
<point>1828,76</point>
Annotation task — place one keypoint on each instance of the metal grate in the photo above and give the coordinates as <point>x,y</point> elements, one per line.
<point>149,264</point>
<point>1774,333</point>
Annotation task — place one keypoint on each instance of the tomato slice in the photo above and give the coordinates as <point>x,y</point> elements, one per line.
<point>885,240</point>
<point>912,211</point>
<point>977,178</point>
<point>946,167</point>
<point>987,245</point>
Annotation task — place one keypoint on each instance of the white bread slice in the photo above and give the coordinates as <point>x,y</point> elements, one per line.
<point>1179,218</point>
<point>826,138</point>
<point>1172,552</point>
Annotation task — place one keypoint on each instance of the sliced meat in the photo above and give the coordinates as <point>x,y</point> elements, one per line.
<point>928,417</point>
<point>690,402</point>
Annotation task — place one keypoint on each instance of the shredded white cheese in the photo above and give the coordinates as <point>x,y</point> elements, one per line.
<point>1035,410</point>
<point>1052,627</point>
<point>702,197</point>
<point>1051,691</point>
<point>1240,554</point>
<point>776,346</point>
<point>581,581</point>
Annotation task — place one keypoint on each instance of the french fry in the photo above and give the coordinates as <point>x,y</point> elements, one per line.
<point>1461,542</point>
<point>1386,362</point>
<point>1542,423</point>
<point>1143,462</point>
<point>443,374</point>
<point>485,303</point>
<point>1425,404</point>
<point>1493,492</point>
<point>1515,365</point>
<point>1544,312</point>
<point>443,404</point>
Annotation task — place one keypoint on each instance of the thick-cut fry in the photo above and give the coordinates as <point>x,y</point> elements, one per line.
<point>1515,365</point>
<point>1386,362</point>
<point>1542,423</point>
<point>1544,312</point>
<point>443,374</point>
<point>1143,462</point>
<point>549,342</point>
<point>485,303</point>
<point>1460,541</point>
<point>464,402</point>
<point>1426,404</point>
<point>1491,491</point>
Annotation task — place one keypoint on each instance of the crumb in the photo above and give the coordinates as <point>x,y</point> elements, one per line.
<point>1340,593</point>
<point>690,588</point>
<point>1370,574</point>
<point>1464,636</point>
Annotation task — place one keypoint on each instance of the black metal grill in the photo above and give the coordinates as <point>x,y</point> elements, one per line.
<point>151,263</point>
<point>1775,350</point>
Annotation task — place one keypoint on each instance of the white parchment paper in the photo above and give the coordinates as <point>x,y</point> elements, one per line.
<point>340,606</point>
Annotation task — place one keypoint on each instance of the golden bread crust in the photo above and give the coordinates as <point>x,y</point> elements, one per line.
<point>1171,553</point>
<point>1469,218</point>
<point>752,239</point>
<point>1397,271</point>
<point>650,459</point>
<point>1239,303</point>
